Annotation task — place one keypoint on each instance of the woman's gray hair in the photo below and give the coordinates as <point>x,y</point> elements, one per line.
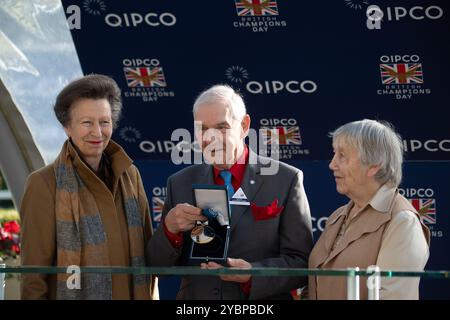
<point>377,143</point>
<point>224,95</point>
<point>93,86</point>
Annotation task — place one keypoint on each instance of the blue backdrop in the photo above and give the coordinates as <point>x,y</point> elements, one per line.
<point>303,67</point>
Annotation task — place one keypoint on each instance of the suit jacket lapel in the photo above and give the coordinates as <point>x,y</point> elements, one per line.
<point>251,184</point>
<point>206,176</point>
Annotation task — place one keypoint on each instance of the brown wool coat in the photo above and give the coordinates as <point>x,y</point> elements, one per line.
<point>38,222</point>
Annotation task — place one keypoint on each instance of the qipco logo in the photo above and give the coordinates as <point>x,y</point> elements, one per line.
<point>151,19</point>
<point>416,192</point>
<point>275,86</point>
<point>406,58</point>
<point>375,15</point>
<point>427,145</point>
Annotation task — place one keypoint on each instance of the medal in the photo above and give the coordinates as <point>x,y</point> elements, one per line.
<point>202,234</point>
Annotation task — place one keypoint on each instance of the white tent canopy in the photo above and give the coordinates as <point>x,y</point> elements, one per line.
<point>37,58</point>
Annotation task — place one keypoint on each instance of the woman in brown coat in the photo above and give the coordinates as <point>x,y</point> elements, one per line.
<point>89,207</point>
<point>378,226</point>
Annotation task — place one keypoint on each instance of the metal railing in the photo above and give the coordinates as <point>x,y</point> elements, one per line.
<point>2,281</point>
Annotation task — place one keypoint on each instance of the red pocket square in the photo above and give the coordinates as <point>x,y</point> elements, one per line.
<point>264,213</point>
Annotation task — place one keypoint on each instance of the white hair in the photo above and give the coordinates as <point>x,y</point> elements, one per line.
<point>223,95</point>
<point>377,143</point>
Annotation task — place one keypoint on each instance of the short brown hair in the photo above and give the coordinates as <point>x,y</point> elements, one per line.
<point>93,86</point>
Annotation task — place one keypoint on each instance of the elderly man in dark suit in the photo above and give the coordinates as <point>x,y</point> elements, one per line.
<point>274,231</point>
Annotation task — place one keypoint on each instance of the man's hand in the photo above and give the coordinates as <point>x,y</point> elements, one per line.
<point>183,217</point>
<point>233,263</point>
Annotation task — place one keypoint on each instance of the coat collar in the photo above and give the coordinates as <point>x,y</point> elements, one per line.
<point>382,202</point>
<point>119,162</point>
<point>251,184</point>
<point>383,199</point>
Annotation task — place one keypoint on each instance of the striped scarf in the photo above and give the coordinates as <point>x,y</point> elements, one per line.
<point>81,238</point>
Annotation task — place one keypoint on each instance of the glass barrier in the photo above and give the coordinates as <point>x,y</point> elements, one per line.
<point>353,274</point>
<point>285,272</point>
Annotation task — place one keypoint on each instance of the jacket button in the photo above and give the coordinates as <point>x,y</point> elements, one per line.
<point>216,291</point>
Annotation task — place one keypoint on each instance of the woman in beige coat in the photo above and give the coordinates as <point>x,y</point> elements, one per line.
<point>88,208</point>
<point>378,226</point>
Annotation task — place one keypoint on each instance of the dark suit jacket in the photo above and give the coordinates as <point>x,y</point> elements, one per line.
<point>284,241</point>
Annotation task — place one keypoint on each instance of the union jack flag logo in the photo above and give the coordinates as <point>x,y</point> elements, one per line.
<point>145,77</point>
<point>426,209</point>
<point>256,7</point>
<point>401,73</point>
<point>157,209</point>
<point>286,135</point>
